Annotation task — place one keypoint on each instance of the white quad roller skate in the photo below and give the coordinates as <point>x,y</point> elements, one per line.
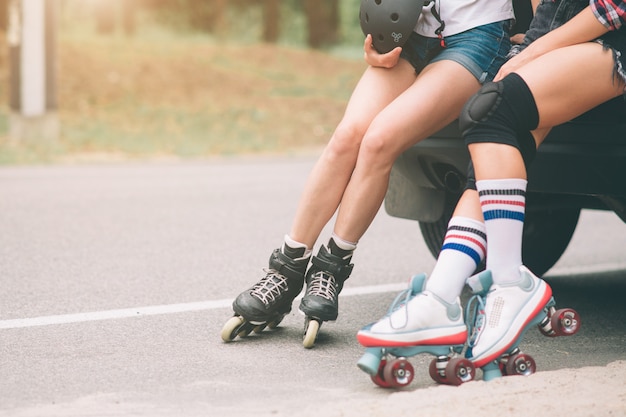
<point>499,320</point>
<point>435,328</point>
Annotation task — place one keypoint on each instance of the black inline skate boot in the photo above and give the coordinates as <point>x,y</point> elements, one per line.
<point>268,301</point>
<point>324,282</point>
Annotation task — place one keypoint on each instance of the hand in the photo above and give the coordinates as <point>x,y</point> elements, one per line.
<point>514,63</point>
<point>376,59</point>
<point>517,39</point>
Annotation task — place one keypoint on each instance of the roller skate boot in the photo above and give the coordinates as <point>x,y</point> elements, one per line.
<point>418,322</point>
<point>268,301</point>
<point>499,320</point>
<point>324,282</point>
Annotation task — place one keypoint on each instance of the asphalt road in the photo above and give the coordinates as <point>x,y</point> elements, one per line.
<point>116,280</point>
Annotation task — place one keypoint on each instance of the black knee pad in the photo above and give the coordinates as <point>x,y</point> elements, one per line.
<point>470,184</point>
<point>503,112</point>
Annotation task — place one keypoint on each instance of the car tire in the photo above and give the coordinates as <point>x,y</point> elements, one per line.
<point>547,233</point>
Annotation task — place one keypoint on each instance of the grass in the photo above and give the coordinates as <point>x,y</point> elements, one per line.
<point>165,94</point>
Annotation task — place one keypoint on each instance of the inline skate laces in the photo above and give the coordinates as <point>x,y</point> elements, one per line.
<point>323,285</point>
<point>270,287</point>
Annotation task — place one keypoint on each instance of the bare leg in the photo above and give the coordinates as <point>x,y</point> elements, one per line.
<point>434,100</point>
<point>326,184</point>
<point>580,78</point>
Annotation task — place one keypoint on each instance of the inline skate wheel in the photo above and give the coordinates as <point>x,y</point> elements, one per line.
<point>259,328</point>
<point>232,328</point>
<point>311,327</point>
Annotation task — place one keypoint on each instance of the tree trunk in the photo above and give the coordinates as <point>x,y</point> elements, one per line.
<point>322,22</point>
<point>271,20</point>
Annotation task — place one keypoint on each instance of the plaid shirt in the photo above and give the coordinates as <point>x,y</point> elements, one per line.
<point>611,13</point>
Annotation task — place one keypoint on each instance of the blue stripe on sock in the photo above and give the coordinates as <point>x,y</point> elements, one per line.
<point>465,249</point>
<point>503,214</point>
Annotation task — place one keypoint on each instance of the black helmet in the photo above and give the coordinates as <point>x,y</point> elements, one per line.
<point>390,22</point>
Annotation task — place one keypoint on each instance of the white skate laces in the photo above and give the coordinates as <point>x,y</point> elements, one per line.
<point>270,287</point>
<point>475,319</point>
<point>323,285</point>
<point>400,302</point>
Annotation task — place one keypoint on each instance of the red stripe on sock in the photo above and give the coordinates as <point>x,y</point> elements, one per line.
<point>508,202</point>
<point>471,239</point>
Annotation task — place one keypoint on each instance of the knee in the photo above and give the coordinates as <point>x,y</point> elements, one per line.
<point>504,112</point>
<point>345,141</point>
<point>378,149</point>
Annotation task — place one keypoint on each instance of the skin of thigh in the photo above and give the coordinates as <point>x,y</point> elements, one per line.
<point>570,81</point>
<point>330,175</point>
<point>434,100</point>
<point>565,83</point>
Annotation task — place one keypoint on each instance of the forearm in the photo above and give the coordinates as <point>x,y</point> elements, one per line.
<point>581,28</point>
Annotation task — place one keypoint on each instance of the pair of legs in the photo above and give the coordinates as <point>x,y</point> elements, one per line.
<point>390,110</point>
<point>564,83</point>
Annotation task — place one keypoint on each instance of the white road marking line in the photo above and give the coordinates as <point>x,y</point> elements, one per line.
<point>164,309</point>
<point>226,303</point>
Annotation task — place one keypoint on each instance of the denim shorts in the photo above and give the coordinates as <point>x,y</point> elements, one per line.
<point>482,50</point>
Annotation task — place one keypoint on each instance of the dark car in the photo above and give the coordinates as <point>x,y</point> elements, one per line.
<point>581,165</point>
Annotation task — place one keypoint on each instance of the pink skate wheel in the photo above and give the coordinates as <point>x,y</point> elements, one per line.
<point>398,373</point>
<point>565,322</point>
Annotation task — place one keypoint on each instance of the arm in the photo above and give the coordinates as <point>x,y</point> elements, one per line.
<point>583,27</point>
<point>518,38</point>
<point>611,13</point>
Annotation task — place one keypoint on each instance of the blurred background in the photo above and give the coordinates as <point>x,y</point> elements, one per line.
<point>155,79</point>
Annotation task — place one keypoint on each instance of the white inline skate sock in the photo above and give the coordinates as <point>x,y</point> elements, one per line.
<point>503,203</point>
<point>462,251</point>
<point>295,249</point>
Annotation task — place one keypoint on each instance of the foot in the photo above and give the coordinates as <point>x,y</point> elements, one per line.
<point>324,282</point>
<point>425,319</point>
<point>509,308</point>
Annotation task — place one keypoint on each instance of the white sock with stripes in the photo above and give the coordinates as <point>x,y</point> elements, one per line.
<point>462,251</point>
<point>503,203</point>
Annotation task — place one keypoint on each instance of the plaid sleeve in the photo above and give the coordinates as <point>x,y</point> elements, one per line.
<point>611,13</point>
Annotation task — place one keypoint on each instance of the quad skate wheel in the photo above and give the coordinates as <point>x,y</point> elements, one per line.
<point>459,371</point>
<point>398,373</point>
<point>437,375</point>
<point>232,328</point>
<point>520,364</point>
<point>311,327</point>
<point>565,322</point>
<point>379,378</point>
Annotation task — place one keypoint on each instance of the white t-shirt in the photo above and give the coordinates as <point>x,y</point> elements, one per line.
<point>462,15</point>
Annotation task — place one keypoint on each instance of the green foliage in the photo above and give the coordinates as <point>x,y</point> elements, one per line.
<point>173,90</point>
